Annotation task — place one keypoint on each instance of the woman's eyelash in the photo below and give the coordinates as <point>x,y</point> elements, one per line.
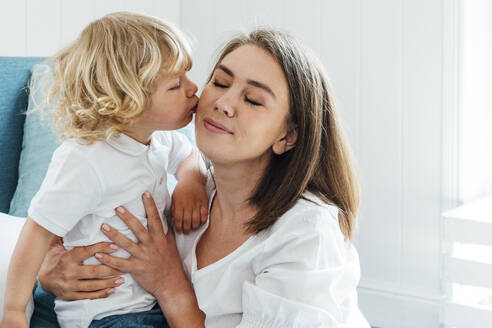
<point>217,84</point>
<point>252,102</point>
<point>248,100</point>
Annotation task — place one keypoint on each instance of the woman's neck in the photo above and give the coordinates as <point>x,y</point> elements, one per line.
<point>235,184</point>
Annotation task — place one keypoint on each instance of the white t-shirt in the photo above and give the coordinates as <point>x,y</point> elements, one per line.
<point>83,187</point>
<point>298,273</point>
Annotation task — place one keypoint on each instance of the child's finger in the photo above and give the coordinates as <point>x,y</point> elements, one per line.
<point>195,224</point>
<point>173,211</point>
<point>187,217</point>
<point>178,220</point>
<point>203,214</point>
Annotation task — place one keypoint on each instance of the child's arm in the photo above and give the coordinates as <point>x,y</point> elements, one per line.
<point>189,207</point>
<point>31,247</point>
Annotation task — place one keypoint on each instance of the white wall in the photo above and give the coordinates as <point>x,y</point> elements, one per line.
<point>41,27</point>
<point>476,115</point>
<point>385,59</point>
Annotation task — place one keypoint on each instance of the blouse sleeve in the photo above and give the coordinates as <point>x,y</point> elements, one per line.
<point>307,276</point>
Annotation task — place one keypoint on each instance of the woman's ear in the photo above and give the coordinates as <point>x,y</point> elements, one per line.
<point>286,143</point>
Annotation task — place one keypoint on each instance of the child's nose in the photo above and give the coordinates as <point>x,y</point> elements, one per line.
<point>192,88</point>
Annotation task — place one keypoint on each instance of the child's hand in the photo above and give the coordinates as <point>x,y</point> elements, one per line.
<point>14,319</point>
<point>189,209</point>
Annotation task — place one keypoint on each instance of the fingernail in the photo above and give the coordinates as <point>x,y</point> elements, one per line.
<point>147,194</point>
<point>106,227</point>
<point>113,246</point>
<point>119,281</point>
<point>121,210</point>
<point>97,255</point>
<point>111,291</point>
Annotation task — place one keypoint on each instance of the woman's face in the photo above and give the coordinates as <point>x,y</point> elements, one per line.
<point>242,112</point>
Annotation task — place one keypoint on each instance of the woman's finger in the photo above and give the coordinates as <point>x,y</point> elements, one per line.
<point>96,272</point>
<point>83,253</point>
<point>119,239</point>
<point>97,284</point>
<point>153,218</point>
<point>123,265</point>
<point>76,296</point>
<point>134,224</point>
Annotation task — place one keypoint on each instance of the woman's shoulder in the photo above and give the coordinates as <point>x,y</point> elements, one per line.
<point>308,230</point>
<point>307,236</point>
<point>309,213</point>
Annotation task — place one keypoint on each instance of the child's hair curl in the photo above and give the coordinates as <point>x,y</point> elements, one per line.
<point>105,77</point>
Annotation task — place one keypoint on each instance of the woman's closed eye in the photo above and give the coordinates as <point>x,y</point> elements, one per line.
<point>252,102</point>
<point>219,85</point>
<point>249,100</point>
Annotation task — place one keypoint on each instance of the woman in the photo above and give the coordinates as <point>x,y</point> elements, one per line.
<point>283,200</point>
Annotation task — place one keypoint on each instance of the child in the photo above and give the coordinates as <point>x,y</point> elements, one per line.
<point>119,83</point>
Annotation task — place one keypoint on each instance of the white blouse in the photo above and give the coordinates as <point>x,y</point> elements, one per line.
<point>298,273</point>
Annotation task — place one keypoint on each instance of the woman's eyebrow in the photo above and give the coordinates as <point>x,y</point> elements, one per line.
<point>261,86</point>
<point>250,82</point>
<point>225,70</point>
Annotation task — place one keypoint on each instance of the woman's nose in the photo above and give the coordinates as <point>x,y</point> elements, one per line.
<point>225,105</point>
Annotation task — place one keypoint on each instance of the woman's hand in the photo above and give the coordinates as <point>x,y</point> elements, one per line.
<point>155,264</point>
<point>154,260</point>
<point>63,274</point>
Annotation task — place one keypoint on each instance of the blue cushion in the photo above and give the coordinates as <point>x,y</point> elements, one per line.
<point>14,76</point>
<point>39,144</point>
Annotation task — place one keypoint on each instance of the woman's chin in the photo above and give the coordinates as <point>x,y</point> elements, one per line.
<point>214,152</point>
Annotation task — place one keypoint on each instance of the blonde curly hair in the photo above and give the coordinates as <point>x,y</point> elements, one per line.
<point>106,76</point>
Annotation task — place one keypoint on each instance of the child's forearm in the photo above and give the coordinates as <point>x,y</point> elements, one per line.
<point>29,252</point>
<point>193,167</point>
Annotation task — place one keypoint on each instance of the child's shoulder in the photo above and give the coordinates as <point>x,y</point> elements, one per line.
<point>75,149</point>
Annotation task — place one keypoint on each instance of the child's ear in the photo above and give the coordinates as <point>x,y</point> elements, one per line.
<point>286,143</point>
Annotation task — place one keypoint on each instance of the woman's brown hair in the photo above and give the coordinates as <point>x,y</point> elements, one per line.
<point>321,161</point>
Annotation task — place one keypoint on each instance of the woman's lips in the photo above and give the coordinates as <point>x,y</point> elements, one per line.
<point>215,127</point>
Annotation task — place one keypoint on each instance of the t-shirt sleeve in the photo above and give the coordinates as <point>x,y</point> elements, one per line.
<point>305,278</point>
<point>179,149</point>
<point>70,190</point>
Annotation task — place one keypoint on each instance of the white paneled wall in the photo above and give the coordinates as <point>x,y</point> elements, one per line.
<point>41,27</point>
<point>385,59</point>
